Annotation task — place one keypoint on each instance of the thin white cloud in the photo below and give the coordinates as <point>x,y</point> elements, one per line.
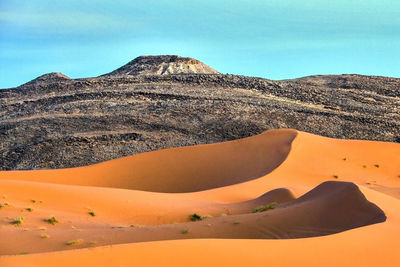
<point>69,21</point>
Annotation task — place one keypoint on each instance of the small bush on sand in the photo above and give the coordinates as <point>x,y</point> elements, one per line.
<point>91,213</point>
<point>44,235</point>
<point>29,209</point>
<point>5,204</point>
<point>236,222</point>
<point>335,176</point>
<point>262,208</point>
<point>376,165</point>
<point>74,242</point>
<point>18,221</point>
<point>195,217</point>
<point>52,220</point>
<point>185,231</point>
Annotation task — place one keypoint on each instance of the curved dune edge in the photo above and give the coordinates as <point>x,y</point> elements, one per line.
<point>311,160</point>
<point>374,245</point>
<point>329,208</point>
<point>184,169</point>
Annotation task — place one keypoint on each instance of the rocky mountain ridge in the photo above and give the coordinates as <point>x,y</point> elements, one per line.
<point>56,123</point>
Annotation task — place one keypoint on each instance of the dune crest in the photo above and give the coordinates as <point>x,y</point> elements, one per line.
<point>178,170</point>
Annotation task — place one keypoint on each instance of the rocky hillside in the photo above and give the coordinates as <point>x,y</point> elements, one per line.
<point>55,122</point>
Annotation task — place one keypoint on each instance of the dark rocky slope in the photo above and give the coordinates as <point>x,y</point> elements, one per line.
<point>56,122</point>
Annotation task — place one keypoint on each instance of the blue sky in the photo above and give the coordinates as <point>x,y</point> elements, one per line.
<point>275,39</point>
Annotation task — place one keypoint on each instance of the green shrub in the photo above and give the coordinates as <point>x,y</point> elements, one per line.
<point>195,217</point>
<point>52,220</point>
<point>262,208</point>
<point>74,242</point>
<point>18,221</point>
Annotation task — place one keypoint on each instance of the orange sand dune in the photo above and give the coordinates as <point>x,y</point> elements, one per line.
<point>233,176</point>
<point>329,208</point>
<point>185,169</point>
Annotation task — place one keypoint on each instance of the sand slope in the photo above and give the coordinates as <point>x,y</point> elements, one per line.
<point>236,175</point>
<point>185,169</point>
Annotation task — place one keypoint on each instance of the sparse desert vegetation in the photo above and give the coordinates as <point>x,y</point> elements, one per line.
<point>52,220</point>
<point>74,242</point>
<point>196,217</point>
<point>5,204</point>
<point>91,213</point>
<point>185,231</point>
<point>262,208</point>
<point>18,221</point>
<point>44,235</point>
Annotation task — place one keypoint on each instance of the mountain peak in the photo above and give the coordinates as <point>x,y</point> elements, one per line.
<point>50,77</point>
<point>163,65</point>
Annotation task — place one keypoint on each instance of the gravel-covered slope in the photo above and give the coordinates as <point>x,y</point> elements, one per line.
<point>57,123</point>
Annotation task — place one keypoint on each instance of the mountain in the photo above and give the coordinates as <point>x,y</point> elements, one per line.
<point>49,77</point>
<point>163,65</point>
<point>56,122</point>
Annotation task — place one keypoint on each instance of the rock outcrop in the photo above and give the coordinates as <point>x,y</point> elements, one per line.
<point>163,65</point>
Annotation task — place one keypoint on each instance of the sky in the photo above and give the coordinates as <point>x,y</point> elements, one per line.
<point>275,39</point>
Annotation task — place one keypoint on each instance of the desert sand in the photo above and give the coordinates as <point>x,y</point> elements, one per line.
<point>336,203</point>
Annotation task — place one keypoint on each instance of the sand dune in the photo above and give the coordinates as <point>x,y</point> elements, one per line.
<point>180,170</point>
<point>150,197</point>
